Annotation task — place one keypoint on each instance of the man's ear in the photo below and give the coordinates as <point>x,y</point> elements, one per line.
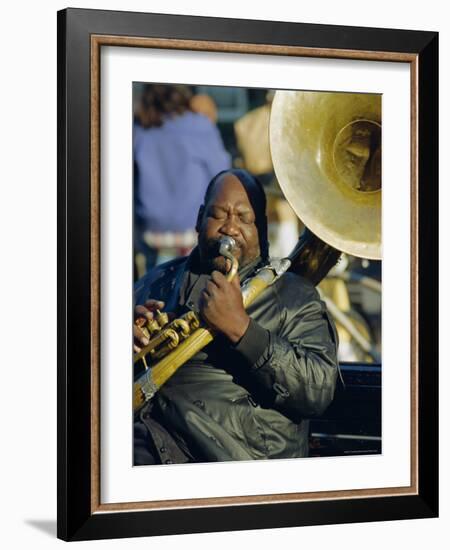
<point>198,223</point>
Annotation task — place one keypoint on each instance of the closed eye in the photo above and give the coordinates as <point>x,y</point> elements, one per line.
<point>217,214</point>
<point>247,218</point>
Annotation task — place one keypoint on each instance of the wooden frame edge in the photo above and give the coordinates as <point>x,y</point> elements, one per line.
<point>414,291</point>
<point>95,273</point>
<point>98,40</point>
<point>110,40</point>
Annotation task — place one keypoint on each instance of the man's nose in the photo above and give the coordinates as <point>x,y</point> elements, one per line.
<point>230,227</point>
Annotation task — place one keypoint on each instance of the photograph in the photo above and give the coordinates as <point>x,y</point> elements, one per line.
<point>257,261</point>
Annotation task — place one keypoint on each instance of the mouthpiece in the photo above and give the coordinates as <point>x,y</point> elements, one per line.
<point>226,246</point>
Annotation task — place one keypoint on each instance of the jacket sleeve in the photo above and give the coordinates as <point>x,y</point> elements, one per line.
<point>297,364</point>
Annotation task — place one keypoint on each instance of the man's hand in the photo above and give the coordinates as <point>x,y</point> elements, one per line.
<point>142,314</point>
<point>222,307</point>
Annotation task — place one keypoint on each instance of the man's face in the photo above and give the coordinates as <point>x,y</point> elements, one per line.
<point>227,213</point>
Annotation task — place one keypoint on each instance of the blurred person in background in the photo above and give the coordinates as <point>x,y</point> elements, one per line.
<point>176,152</point>
<point>204,105</point>
<point>252,139</point>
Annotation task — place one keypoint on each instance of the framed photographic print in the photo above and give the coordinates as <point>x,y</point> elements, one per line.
<point>215,371</point>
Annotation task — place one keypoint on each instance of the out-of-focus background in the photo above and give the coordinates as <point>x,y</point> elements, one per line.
<point>183,136</point>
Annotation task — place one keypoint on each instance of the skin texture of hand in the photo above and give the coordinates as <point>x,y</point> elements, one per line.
<point>222,307</point>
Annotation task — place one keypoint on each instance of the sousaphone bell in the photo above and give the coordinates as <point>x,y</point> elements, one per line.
<point>326,153</point>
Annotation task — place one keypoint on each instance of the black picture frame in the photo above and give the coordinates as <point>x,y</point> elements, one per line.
<point>79,518</point>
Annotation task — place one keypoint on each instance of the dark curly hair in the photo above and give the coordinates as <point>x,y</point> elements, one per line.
<point>159,101</point>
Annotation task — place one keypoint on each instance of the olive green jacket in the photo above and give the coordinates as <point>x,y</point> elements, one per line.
<point>252,400</point>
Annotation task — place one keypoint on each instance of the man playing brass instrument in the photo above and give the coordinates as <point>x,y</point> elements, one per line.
<point>250,392</point>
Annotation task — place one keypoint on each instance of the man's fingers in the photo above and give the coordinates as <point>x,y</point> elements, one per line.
<point>140,336</point>
<point>153,305</point>
<point>140,322</point>
<point>218,278</point>
<point>141,312</point>
<point>219,281</point>
<point>205,298</point>
<point>146,311</point>
<point>211,287</point>
<point>236,280</point>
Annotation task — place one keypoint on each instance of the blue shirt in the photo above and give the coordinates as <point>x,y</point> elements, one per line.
<point>173,166</point>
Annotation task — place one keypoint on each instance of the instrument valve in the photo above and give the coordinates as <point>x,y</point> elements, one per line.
<point>161,318</point>
<point>153,326</point>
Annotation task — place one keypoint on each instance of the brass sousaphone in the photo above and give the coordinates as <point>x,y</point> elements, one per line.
<point>326,153</point>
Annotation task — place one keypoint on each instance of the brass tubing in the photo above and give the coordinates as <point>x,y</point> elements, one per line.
<point>233,270</point>
<point>167,366</point>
